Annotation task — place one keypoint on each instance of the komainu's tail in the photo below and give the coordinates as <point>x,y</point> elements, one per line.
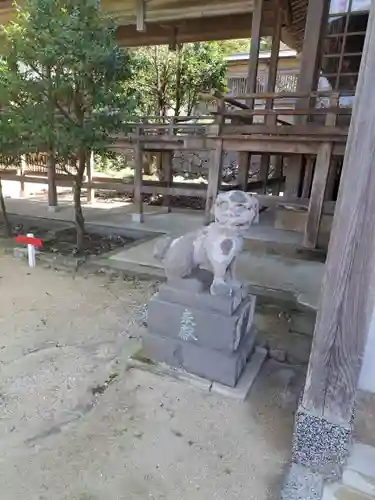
<point>161,247</point>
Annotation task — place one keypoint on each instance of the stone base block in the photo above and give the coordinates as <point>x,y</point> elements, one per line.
<point>203,300</point>
<point>302,484</point>
<point>211,364</point>
<point>195,323</point>
<point>320,445</point>
<point>246,380</point>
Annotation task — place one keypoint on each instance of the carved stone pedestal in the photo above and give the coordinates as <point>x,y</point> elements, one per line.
<point>209,336</point>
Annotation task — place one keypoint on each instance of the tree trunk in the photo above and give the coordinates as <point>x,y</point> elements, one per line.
<point>7,226</point>
<point>78,214</point>
<point>51,173</point>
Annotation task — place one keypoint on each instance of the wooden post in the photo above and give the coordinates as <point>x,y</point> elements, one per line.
<point>90,175</point>
<point>307,81</point>
<point>347,299</point>
<point>316,16</point>
<point>138,178</point>
<point>264,171</point>
<point>278,174</point>
<point>214,178</point>
<point>293,176</point>
<point>271,84</point>
<point>331,181</point>
<point>274,60</point>
<point>319,185</point>
<point>251,85</point>
<point>140,15</point>
<point>243,170</point>
<point>256,24</point>
<point>167,166</point>
<point>308,176</point>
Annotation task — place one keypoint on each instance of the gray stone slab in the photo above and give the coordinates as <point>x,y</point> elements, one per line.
<point>211,364</point>
<point>302,484</point>
<point>203,300</point>
<point>246,380</point>
<point>201,327</point>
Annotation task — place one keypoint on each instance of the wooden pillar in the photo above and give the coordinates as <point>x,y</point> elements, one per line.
<point>167,166</point>
<point>332,178</point>
<point>319,185</point>
<point>278,174</point>
<point>138,179</point>
<point>323,424</point>
<point>256,25</point>
<point>308,177</point>
<point>307,81</point>
<point>347,300</point>
<point>251,85</point>
<point>243,170</point>
<point>271,84</point>
<point>315,211</point>
<point>214,178</point>
<point>310,56</point>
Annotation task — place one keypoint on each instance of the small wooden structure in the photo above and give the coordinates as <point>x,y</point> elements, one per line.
<point>305,131</point>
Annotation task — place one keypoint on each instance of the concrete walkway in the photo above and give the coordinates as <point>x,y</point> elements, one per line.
<point>358,481</point>
<point>273,275</point>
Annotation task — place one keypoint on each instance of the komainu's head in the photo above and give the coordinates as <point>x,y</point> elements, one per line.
<point>236,209</point>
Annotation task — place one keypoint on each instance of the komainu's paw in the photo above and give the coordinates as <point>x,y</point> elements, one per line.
<point>235,285</point>
<point>221,288</point>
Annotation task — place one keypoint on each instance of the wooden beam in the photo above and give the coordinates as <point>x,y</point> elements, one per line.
<point>264,171</point>
<point>256,24</point>
<point>138,179</point>
<point>214,178</point>
<point>308,177</point>
<point>274,60</point>
<point>193,30</point>
<point>307,80</point>
<point>316,15</point>
<point>167,166</point>
<point>319,185</point>
<point>278,174</point>
<point>140,15</point>
<point>244,159</point>
<point>271,84</point>
<point>347,299</point>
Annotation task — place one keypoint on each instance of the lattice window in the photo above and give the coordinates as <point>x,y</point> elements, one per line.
<point>285,82</point>
<point>343,43</point>
<point>237,85</point>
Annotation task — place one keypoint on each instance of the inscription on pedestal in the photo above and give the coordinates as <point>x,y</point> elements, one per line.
<point>187,327</point>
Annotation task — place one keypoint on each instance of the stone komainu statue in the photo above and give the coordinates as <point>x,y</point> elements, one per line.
<point>217,244</point>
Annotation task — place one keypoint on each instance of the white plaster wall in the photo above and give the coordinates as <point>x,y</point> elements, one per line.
<point>367,377</point>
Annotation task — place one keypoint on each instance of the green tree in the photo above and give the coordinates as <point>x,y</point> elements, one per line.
<point>64,62</point>
<point>230,47</point>
<point>172,80</point>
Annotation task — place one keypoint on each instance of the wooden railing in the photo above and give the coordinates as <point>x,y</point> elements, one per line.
<point>318,133</point>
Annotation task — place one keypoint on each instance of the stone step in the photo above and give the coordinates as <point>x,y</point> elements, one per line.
<point>270,241</point>
<point>359,474</point>
<point>340,492</point>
